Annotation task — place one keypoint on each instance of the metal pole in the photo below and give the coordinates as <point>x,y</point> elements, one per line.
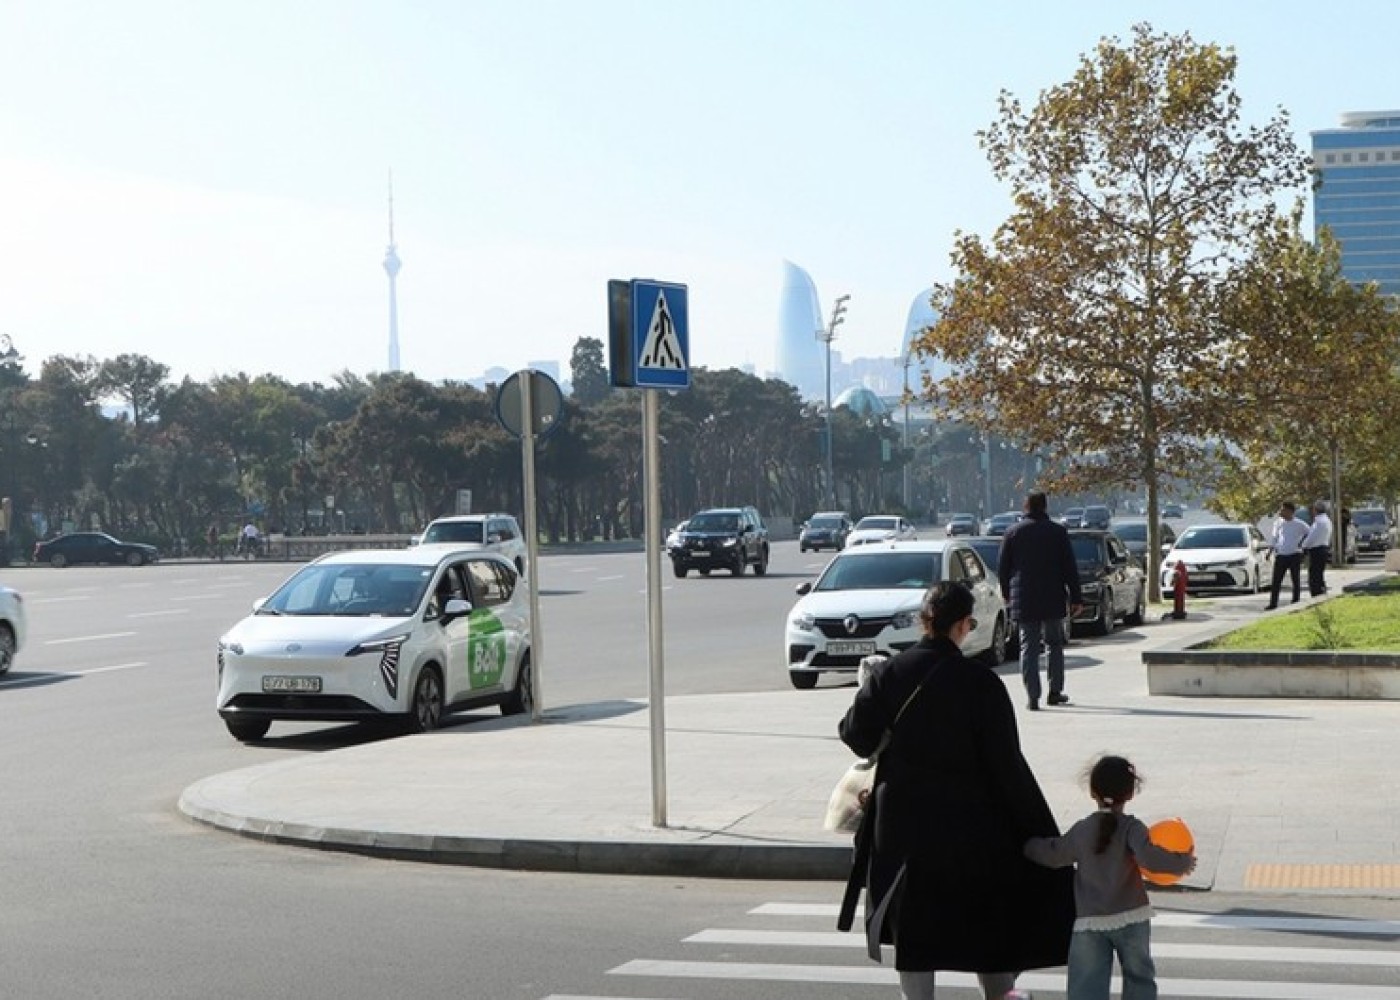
<point>830,485</point>
<point>989,475</point>
<point>651,452</point>
<point>905,442</point>
<point>532,539</point>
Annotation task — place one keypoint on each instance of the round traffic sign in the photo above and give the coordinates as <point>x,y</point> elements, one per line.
<point>546,402</point>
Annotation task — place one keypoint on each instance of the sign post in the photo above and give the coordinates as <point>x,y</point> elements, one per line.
<point>528,405</point>
<point>649,346</point>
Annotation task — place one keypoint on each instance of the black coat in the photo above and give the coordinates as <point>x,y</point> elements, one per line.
<point>1037,569</point>
<point>954,802</point>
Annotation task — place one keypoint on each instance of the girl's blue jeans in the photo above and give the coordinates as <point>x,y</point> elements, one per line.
<point>1091,963</point>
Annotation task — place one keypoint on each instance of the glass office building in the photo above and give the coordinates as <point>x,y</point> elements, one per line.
<point>1358,194</point>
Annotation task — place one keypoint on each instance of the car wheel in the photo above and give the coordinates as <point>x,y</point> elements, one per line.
<point>1104,624</point>
<point>58,560</point>
<point>995,654</point>
<point>134,559</point>
<point>1139,614</point>
<point>802,548</point>
<point>425,710</point>
<point>522,698</point>
<point>7,649</point>
<point>680,570</point>
<point>762,565</point>
<point>802,679</point>
<point>246,730</point>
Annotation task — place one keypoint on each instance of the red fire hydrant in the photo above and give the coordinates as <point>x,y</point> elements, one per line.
<point>1179,591</point>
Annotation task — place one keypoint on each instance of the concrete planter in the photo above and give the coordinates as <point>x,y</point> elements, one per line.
<point>1209,673</point>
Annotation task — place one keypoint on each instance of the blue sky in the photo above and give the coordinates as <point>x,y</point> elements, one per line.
<point>205,183</point>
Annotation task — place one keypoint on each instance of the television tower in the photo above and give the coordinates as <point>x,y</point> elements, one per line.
<point>391,268</point>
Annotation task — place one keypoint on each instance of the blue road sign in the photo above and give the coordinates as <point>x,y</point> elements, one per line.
<point>660,335</point>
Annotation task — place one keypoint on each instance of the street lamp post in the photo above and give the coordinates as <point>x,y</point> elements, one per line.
<point>826,336</point>
<point>905,441</point>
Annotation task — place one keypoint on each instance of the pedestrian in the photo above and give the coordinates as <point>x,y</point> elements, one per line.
<point>939,850</point>
<point>211,539</point>
<point>1114,916</point>
<point>1040,582</point>
<point>1287,541</point>
<point>1318,546</point>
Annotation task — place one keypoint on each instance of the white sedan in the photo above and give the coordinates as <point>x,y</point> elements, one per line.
<point>11,627</point>
<point>404,635</point>
<point>867,602</point>
<point>881,528</point>
<point>1220,557</point>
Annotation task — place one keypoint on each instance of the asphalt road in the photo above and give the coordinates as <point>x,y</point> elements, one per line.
<point>110,893</point>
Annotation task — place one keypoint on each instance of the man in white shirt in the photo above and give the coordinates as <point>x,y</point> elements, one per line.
<point>1318,546</point>
<point>1287,539</point>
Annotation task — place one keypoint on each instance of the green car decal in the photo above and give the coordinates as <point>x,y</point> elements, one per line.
<point>486,649</point>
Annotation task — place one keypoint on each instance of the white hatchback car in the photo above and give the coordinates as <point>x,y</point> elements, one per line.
<point>12,626</point>
<point>405,635</point>
<point>881,528</point>
<point>489,532</point>
<point>1220,557</point>
<point>867,601</point>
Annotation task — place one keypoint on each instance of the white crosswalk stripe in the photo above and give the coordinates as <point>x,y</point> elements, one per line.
<point>1246,956</point>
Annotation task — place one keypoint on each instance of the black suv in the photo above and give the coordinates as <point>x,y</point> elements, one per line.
<point>731,538</point>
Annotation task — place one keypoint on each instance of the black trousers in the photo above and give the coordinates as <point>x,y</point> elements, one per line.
<point>1290,565</point>
<point>1317,565</point>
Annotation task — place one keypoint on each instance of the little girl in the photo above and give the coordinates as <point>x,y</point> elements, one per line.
<point>1110,899</point>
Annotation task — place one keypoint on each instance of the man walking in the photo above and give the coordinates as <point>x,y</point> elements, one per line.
<point>1287,540</point>
<point>1037,570</point>
<point>1318,546</point>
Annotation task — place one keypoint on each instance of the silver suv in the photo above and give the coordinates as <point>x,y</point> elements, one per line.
<point>491,532</point>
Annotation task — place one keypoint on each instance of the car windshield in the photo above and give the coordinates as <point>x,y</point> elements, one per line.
<point>1131,532</point>
<point>1005,518</point>
<point>1212,538</point>
<point>1086,550</point>
<point>1369,518</point>
<point>824,523</point>
<point>455,531</point>
<point>356,590</point>
<point>714,522</point>
<point>960,519</point>
<point>989,549</point>
<point>887,571</point>
<point>877,524</point>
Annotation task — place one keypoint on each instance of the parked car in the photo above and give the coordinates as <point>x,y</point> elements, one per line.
<point>1133,533</point>
<point>1096,516</point>
<point>963,524</point>
<point>1375,531</point>
<point>1113,583</point>
<point>731,538</point>
<point>1174,510</point>
<point>1221,557</point>
<point>488,532</point>
<point>12,627</point>
<point>1073,517</point>
<point>867,599</point>
<point>1000,522</point>
<point>827,529</point>
<point>406,635</point>
<point>882,528</point>
<point>93,547</point>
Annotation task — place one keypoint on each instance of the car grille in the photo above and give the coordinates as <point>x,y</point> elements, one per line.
<point>835,628</point>
<point>302,703</point>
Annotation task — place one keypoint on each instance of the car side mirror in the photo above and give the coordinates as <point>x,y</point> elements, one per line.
<point>804,588</point>
<point>456,607</point>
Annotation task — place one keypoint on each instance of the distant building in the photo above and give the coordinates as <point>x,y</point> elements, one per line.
<point>801,357</point>
<point>1358,194</point>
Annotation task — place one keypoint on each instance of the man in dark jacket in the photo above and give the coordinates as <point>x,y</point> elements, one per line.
<point>1038,573</point>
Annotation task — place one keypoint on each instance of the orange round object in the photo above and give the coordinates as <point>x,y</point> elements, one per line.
<point>1170,835</point>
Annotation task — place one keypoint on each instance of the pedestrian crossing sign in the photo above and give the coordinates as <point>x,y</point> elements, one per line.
<point>660,335</point>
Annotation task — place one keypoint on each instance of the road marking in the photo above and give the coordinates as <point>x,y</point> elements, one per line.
<point>42,678</point>
<point>88,638</point>
<point>619,576</point>
<point>153,614</point>
<point>199,597</point>
<point>1219,989</point>
<point>53,600</point>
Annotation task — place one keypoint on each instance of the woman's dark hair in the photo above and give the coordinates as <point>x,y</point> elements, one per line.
<point>945,605</point>
<point>1112,781</point>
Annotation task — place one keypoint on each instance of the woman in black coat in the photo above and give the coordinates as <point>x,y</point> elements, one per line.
<point>939,849</point>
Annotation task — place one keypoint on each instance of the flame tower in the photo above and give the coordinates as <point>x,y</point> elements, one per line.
<point>391,268</point>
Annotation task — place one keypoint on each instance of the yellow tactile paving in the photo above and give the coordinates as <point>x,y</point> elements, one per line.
<point>1378,876</point>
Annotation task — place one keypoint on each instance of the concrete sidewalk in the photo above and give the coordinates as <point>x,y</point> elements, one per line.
<point>1283,795</point>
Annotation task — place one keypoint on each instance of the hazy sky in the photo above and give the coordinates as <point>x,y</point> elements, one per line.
<point>205,183</point>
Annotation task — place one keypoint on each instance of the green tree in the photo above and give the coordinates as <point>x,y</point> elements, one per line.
<point>1087,330</point>
<point>589,371</point>
<point>136,379</point>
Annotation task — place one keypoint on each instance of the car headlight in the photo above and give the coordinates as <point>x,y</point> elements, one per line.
<point>1236,564</point>
<point>804,623</point>
<point>388,650</point>
<point>236,648</point>
<point>729,543</point>
<point>905,620</point>
<point>378,645</point>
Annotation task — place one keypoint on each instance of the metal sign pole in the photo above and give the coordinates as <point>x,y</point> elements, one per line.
<point>532,539</point>
<point>655,648</point>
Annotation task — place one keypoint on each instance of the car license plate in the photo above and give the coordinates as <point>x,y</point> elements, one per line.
<point>850,647</point>
<point>293,685</point>
<point>699,554</point>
